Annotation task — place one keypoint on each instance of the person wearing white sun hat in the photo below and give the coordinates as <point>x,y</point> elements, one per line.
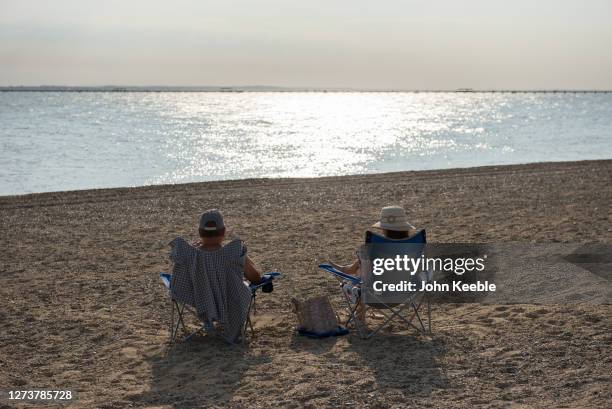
<point>393,219</point>
<point>394,224</point>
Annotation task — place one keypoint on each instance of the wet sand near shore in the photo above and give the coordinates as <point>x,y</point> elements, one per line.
<point>83,309</point>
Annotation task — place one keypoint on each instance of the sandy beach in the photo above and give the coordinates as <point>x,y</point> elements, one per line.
<point>83,309</point>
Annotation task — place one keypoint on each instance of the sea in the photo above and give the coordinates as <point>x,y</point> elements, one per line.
<point>57,141</point>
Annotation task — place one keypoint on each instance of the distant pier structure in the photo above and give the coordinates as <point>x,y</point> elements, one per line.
<point>537,91</point>
<point>114,88</point>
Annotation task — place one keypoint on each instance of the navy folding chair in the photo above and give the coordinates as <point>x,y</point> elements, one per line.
<point>353,288</point>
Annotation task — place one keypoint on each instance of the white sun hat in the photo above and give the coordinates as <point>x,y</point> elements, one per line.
<point>393,218</point>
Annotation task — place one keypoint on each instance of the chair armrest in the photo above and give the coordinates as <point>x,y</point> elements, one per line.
<point>166,279</point>
<point>266,278</point>
<point>340,274</point>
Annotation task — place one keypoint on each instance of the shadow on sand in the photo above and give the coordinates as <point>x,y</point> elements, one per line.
<point>203,372</point>
<point>403,362</point>
<point>313,346</point>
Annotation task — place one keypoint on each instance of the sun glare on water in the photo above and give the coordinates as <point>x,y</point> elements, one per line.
<point>133,138</point>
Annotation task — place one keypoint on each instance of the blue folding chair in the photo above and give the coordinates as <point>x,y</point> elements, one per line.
<point>179,309</point>
<point>353,288</point>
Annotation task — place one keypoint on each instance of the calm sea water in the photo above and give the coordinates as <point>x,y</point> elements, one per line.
<point>63,141</point>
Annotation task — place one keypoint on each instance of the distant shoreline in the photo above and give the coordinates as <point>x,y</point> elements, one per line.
<point>264,88</point>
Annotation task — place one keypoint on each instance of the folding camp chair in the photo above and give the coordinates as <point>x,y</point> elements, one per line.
<point>179,310</point>
<point>353,289</point>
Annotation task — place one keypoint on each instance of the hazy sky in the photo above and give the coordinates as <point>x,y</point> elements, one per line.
<point>404,44</point>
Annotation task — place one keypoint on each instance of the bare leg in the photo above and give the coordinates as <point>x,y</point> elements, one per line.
<point>354,270</point>
<point>361,313</point>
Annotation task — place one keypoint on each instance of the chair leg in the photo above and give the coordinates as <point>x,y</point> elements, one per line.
<point>251,325</point>
<point>397,313</point>
<point>416,308</point>
<point>173,328</point>
<point>248,323</point>
<point>389,317</point>
<point>180,310</point>
<point>429,315</point>
<point>418,317</point>
<point>177,323</point>
<point>171,338</point>
<point>424,300</point>
<point>172,324</point>
<point>351,317</point>
<point>188,337</point>
<point>352,309</point>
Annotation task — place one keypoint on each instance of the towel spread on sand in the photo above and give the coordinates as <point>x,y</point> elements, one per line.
<point>212,282</point>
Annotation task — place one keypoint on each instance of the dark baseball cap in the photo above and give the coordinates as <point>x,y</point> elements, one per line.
<point>211,220</point>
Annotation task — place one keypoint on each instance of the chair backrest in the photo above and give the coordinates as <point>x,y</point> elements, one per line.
<point>415,244</point>
<point>212,282</point>
<point>379,246</point>
<point>417,238</point>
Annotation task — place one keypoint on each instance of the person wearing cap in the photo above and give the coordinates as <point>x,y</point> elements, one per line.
<point>394,225</point>
<point>212,233</point>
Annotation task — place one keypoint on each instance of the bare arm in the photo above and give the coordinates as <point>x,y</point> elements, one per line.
<point>250,271</point>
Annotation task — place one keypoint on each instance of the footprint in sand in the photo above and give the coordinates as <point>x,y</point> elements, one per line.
<point>130,352</point>
<point>266,321</point>
<point>537,313</point>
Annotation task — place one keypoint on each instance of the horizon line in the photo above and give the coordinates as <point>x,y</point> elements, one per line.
<point>273,88</point>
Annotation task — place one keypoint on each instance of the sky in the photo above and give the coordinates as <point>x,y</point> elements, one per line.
<point>403,44</point>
